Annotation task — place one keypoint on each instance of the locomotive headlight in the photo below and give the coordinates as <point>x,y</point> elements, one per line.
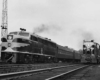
<point>10,37</point>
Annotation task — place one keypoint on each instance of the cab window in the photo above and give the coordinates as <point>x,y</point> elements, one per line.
<point>23,33</point>
<point>13,33</point>
<point>20,40</point>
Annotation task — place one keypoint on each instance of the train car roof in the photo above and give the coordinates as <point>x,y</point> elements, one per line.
<point>17,33</point>
<point>44,38</point>
<point>65,48</point>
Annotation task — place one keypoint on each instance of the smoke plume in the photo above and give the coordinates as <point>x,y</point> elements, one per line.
<point>41,29</point>
<point>49,29</point>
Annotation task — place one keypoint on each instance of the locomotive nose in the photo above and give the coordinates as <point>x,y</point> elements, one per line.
<point>88,49</point>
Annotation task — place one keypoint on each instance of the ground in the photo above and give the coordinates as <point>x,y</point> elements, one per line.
<point>93,73</point>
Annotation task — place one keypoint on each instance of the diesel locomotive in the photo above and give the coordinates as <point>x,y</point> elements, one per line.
<point>91,52</point>
<point>25,47</point>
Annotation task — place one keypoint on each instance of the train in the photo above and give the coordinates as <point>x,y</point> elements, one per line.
<point>24,47</point>
<point>91,52</point>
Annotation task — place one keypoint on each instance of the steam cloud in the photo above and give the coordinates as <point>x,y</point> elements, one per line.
<point>46,29</point>
<point>41,29</point>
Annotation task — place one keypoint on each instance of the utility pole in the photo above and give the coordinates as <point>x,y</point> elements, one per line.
<point>4,25</point>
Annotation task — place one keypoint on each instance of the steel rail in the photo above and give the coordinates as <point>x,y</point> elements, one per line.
<point>15,74</point>
<point>67,74</point>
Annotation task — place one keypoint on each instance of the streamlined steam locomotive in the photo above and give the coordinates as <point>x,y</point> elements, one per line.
<point>91,52</point>
<point>24,47</point>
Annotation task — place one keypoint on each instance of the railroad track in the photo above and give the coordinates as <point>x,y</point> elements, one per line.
<point>37,73</point>
<point>7,68</point>
<point>68,75</point>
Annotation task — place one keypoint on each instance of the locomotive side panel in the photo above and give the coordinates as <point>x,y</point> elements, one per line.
<point>64,54</point>
<point>48,47</point>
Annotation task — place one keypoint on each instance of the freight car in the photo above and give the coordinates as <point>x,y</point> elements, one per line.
<point>91,52</point>
<point>24,47</point>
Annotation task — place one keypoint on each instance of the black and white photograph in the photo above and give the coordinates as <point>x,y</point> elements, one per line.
<point>49,40</point>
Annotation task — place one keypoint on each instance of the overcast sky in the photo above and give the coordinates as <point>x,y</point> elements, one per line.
<point>66,22</point>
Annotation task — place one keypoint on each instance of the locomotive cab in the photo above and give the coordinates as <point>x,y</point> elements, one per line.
<point>8,54</point>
